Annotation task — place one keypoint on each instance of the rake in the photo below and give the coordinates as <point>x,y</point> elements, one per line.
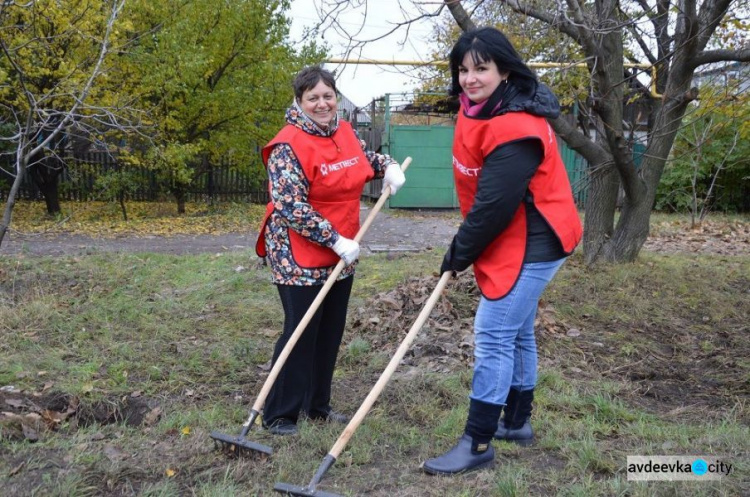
<point>239,444</point>
<point>311,489</point>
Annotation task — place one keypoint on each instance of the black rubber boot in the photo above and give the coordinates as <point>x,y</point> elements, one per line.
<point>466,455</point>
<point>515,426</point>
<point>282,426</point>
<point>473,450</point>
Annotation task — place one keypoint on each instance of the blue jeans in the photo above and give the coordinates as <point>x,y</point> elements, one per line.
<point>504,344</point>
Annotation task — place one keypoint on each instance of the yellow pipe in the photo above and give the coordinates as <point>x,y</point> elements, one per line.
<point>385,62</point>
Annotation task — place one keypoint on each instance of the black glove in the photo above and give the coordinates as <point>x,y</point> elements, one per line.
<point>447,264</point>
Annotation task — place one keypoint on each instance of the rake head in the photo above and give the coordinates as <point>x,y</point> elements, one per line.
<point>239,445</point>
<point>287,489</point>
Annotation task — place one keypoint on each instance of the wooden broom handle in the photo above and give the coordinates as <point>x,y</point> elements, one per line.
<point>389,370</point>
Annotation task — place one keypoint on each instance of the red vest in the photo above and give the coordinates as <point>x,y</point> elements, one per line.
<point>497,269</point>
<point>336,169</point>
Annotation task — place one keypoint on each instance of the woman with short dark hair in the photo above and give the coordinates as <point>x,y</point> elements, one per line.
<point>317,168</point>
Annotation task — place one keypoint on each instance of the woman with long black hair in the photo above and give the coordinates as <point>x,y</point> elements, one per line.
<point>520,223</point>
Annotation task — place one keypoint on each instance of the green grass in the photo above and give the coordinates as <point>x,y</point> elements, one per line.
<point>660,368</point>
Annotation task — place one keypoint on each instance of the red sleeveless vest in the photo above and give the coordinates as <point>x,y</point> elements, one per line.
<point>499,266</point>
<point>336,169</point>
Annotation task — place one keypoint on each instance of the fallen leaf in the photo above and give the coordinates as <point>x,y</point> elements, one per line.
<point>18,468</point>
<point>270,333</point>
<point>29,433</point>
<point>17,403</point>
<point>391,301</point>
<point>54,418</point>
<point>574,332</point>
<point>114,454</point>
<point>152,417</point>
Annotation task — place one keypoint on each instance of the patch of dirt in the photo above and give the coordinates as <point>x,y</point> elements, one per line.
<point>28,415</point>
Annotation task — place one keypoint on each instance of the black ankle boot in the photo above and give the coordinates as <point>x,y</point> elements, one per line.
<point>473,450</point>
<point>466,455</point>
<point>515,426</point>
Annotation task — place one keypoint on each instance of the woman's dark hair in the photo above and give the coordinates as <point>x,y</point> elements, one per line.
<point>486,44</point>
<point>309,77</point>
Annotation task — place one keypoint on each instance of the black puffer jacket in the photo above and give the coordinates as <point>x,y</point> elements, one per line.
<point>503,185</point>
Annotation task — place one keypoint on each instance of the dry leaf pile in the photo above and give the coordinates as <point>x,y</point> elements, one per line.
<point>27,416</point>
<point>713,236</point>
<point>446,341</point>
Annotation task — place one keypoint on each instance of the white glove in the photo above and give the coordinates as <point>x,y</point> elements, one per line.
<point>394,177</point>
<point>347,249</point>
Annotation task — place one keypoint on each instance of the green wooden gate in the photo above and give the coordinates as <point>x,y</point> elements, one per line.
<point>430,175</point>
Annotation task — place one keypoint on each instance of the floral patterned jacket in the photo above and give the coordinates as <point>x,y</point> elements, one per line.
<point>289,188</point>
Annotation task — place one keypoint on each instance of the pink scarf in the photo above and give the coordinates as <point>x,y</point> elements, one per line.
<point>471,109</point>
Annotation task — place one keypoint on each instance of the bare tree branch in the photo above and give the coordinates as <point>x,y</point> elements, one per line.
<point>463,19</point>
<point>711,14</point>
<point>560,22</point>
<point>711,56</point>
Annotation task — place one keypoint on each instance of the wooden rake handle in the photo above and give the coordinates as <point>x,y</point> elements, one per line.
<point>389,370</point>
<point>318,301</point>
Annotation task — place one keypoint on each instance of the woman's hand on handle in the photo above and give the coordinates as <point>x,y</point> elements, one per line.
<point>447,264</point>
<point>347,249</point>
<point>394,177</point>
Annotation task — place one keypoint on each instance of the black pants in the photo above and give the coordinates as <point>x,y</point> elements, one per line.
<point>304,382</point>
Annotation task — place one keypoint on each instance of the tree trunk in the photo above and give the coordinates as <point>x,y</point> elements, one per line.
<point>630,234</point>
<point>179,195</point>
<point>604,184</point>
<point>121,199</point>
<point>46,176</point>
<point>11,202</point>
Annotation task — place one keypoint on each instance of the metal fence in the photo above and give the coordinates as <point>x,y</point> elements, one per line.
<point>78,182</point>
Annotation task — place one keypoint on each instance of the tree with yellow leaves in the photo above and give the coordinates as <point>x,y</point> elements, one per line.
<point>54,61</point>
